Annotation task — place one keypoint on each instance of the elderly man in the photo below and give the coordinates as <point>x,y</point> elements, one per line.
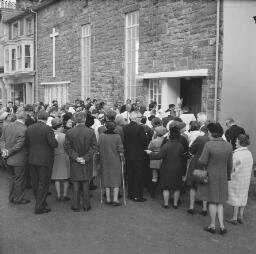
<point>135,142</point>
<point>13,148</point>
<point>41,143</point>
<point>80,145</point>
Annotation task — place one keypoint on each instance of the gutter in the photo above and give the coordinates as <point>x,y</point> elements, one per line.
<point>35,86</point>
<point>217,61</point>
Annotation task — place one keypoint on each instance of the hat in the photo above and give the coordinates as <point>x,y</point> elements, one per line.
<point>56,122</point>
<point>42,114</point>
<point>67,116</point>
<point>4,115</point>
<point>160,130</point>
<point>28,107</point>
<point>178,124</point>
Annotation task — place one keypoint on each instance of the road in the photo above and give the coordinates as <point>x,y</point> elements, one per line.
<point>135,229</point>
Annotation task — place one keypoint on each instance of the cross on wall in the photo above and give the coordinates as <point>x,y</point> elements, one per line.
<point>53,35</point>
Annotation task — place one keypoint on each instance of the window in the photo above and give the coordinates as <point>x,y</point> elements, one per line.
<point>19,57</point>
<point>7,61</point>
<point>15,30</point>
<point>21,27</point>
<point>10,32</point>
<point>131,54</point>
<point>155,92</point>
<point>13,59</point>
<point>86,60</point>
<point>28,26</point>
<point>56,91</point>
<point>27,56</point>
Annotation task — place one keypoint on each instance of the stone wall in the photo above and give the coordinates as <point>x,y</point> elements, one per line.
<point>174,35</point>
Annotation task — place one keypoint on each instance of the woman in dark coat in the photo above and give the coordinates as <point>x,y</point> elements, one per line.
<point>111,154</point>
<point>217,160</point>
<point>196,149</point>
<point>171,170</point>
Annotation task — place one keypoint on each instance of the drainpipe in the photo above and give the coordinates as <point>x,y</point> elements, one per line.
<point>217,61</point>
<point>35,87</point>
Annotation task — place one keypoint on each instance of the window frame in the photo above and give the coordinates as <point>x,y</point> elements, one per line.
<point>18,30</point>
<point>155,86</point>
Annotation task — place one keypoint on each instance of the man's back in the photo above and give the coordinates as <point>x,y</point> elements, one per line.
<point>41,143</point>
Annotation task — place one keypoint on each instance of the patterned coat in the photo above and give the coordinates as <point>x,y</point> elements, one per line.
<point>217,159</point>
<point>238,187</point>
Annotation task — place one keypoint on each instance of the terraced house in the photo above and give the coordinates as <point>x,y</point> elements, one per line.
<point>147,49</point>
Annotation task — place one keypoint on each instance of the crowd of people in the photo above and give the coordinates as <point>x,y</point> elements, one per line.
<point>147,148</point>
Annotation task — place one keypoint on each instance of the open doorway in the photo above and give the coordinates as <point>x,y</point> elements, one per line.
<point>191,92</point>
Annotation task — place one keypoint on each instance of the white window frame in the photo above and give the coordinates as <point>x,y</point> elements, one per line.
<point>155,92</point>
<point>27,31</point>
<point>56,91</point>
<point>131,54</point>
<point>19,57</point>
<point>30,56</point>
<point>86,61</point>
<point>6,60</point>
<point>18,30</point>
<point>13,59</point>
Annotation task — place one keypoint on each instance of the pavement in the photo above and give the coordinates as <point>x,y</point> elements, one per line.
<point>136,228</point>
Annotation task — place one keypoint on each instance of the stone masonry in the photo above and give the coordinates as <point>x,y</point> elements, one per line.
<point>173,35</point>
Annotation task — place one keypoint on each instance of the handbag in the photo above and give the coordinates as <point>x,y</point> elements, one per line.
<point>201,176</point>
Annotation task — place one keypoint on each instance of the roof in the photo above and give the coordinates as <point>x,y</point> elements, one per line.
<point>14,15</point>
<point>7,13</point>
<point>44,4</point>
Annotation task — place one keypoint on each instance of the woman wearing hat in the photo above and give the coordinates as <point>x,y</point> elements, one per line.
<point>111,154</point>
<point>171,170</point>
<point>216,158</point>
<point>61,165</point>
<point>155,165</point>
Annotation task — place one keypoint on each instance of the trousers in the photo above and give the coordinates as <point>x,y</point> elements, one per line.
<point>81,193</point>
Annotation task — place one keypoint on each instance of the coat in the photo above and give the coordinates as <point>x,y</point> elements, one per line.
<point>110,147</point>
<point>61,165</point>
<point>13,139</point>
<point>155,146</point>
<point>80,141</point>
<point>238,186</point>
<point>135,142</point>
<point>196,150</point>
<point>41,142</point>
<point>217,160</point>
<point>171,170</point>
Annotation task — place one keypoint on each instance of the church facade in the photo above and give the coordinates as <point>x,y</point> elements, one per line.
<point>114,50</point>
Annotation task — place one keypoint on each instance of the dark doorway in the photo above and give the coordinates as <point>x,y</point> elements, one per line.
<point>191,92</point>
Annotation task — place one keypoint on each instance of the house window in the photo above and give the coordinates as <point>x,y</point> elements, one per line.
<point>155,92</point>
<point>13,59</point>
<point>15,30</point>
<point>19,57</point>
<point>131,53</point>
<point>21,27</point>
<point>86,60</point>
<point>56,91</point>
<point>7,60</point>
<point>28,26</point>
<point>27,56</point>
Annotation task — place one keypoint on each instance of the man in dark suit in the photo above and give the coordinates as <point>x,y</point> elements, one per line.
<point>135,142</point>
<point>11,109</point>
<point>80,145</point>
<point>13,148</point>
<point>233,132</point>
<point>41,143</point>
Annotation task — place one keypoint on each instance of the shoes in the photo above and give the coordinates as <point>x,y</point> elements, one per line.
<point>45,210</point>
<point>87,208</point>
<point>174,206</point>
<point>190,211</point>
<point>75,209</point>
<point>58,199</point>
<point>108,202</point>
<point>210,229</point>
<point>203,213</point>
<point>22,202</point>
<point>66,198</point>
<point>223,231</point>
<point>232,221</point>
<point>139,199</point>
<point>114,203</point>
<point>165,206</point>
<point>240,220</point>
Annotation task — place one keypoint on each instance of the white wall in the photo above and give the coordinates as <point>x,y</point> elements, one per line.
<point>170,92</point>
<point>238,96</point>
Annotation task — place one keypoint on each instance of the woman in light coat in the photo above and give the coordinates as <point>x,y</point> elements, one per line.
<point>238,187</point>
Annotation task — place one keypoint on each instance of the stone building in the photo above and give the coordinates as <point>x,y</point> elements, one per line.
<point>113,50</point>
